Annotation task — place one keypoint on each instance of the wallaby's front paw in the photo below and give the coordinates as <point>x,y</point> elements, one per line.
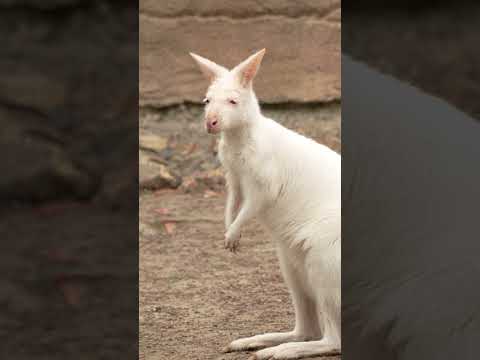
<point>232,242</point>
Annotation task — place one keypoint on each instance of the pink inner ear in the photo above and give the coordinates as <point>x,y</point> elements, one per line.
<point>249,74</point>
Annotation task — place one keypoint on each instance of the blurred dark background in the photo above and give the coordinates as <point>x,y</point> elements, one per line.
<point>410,148</point>
<point>66,98</point>
<point>69,183</point>
<point>431,45</point>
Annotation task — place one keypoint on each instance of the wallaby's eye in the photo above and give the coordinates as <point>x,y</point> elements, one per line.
<point>233,102</point>
<point>206,101</point>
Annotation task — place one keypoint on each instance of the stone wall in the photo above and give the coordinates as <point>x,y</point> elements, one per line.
<point>302,39</point>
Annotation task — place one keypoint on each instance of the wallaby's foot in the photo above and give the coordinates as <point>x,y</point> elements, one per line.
<point>232,242</point>
<point>297,350</point>
<point>262,341</point>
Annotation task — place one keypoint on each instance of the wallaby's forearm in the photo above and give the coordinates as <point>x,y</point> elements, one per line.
<point>234,199</point>
<point>249,209</point>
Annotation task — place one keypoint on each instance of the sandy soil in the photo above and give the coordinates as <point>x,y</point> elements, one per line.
<point>196,297</point>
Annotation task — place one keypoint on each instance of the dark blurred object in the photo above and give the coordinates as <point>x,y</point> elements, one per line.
<point>431,45</point>
<point>69,179</point>
<point>69,122</point>
<point>381,6</point>
<point>409,180</point>
<point>410,243</point>
<point>57,5</point>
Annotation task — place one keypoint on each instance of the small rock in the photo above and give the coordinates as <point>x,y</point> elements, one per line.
<point>154,176</point>
<point>152,142</point>
<point>166,154</point>
<point>189,184</point>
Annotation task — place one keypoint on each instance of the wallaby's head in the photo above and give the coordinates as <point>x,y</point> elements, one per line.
<point>230,102</point>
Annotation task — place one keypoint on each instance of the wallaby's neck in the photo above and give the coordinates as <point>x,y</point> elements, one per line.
<point>238,137</point>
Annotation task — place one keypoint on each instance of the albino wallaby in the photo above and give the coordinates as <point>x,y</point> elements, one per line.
<point>292,185</point>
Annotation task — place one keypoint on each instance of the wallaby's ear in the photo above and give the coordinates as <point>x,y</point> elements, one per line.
<point>209,68</point>
<point>246,70</point>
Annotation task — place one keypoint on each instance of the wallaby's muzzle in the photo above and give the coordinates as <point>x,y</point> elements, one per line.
<point>211,124</point>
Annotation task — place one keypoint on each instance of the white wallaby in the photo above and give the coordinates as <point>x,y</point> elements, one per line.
<point>292,184</point>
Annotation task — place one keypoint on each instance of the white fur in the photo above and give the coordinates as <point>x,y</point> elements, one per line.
<point>293,186</point>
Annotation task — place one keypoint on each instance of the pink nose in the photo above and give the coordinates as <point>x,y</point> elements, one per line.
<point>212,123</point>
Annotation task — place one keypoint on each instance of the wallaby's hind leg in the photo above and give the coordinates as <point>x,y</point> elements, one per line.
<point>261,341</point>
<point>297,350</point>
<point>305,329</point>
<point>307,323</point>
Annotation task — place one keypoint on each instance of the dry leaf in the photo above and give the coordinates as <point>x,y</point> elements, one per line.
<point>162,211</point>
<point>169,227</point>
<point>163,191</point>
<point>190,149</point>
<point>209,194</point>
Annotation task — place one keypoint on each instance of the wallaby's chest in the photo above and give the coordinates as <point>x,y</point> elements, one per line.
<point>236,161</point>
<point>243,163</point>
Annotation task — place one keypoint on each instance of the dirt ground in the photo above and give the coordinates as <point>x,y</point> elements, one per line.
<point>196,297</point>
